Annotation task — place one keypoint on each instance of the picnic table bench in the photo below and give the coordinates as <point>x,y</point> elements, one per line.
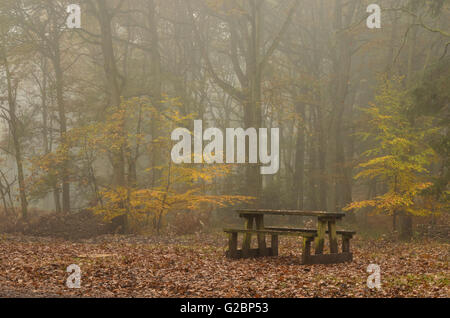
<point>326,224</point>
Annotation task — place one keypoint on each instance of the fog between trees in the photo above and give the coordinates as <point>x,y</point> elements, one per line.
<point>87,114</point>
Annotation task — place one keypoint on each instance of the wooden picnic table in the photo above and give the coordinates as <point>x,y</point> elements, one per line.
<point>326,223</point>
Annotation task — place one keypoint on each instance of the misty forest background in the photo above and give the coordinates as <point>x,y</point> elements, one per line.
<point>86,114</point>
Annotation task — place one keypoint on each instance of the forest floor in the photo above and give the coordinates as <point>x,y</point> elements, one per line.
<point>195,266</point>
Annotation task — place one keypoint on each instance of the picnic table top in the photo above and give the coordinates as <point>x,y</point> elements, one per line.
<point>290,212</point>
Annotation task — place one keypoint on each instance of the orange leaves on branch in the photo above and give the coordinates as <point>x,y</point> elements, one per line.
<point>399,154</point>
<point>142,202</point>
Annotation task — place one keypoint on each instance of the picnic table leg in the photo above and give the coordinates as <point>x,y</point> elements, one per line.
<point>332,236</point>
<point>345,244</point>
<point>261,237</point>
<point>232,244</point>
<point>248,224</point>
<point>274,245</point>
<point>319,240</point>
<point>306,251</point>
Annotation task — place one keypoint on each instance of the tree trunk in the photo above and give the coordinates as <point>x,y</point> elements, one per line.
<point>3,196</point>
<point>156,87</point>
<point>406,230</point>
<point>299,172</point>
<point>322,158</point>
<point>112,79</point>
<point>114,88</point>
<point>62,130</point>
<point>13,126</point>
<point>45,129</point>
<point>342,59</point>
<point>394,221</point>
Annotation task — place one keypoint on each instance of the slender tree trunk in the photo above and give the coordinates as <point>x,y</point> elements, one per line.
<point>390,56</point>
<point>340,194</point>
<point>3,195</point>
<point>252,110</point>
<point>114,86</point>
<point>45,129</point>
<point>412,39</point>
<point>299,172</point>
<point>312,165</point>
<point>62,130</point>
<point>156,86</point>
<point>406,229</point>
<point>322,158</point>
<point>113,79</point>
<point>394,221</point>
<point>15,131</point>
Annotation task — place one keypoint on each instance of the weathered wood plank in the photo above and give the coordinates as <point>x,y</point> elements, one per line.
<point>310,259</point>
<point>253,252</point>
<point>329,258</point>
<point>293,233</point>
<point>274,244</point>
<point>339,232</point>
<point>248,224</point>
<point>232,244</point>
<point>259,219</point>
<point>332,237</point>
<point>244,212</point>
<point>345,244</point>
<point>306,250</point>
<point>319,240</point>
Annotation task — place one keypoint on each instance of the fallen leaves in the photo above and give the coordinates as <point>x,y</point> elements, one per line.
<point>195,266</point>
